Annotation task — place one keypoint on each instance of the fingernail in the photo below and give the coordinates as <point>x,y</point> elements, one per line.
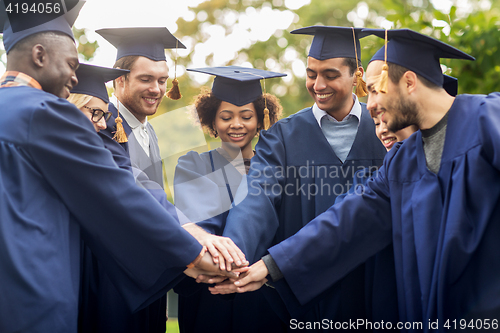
<point>237,283</point>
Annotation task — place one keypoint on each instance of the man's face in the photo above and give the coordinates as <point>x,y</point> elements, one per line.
<point>394,109</point>
<point>330,84</point>
<point>59,74</point>
<point>144,88</point>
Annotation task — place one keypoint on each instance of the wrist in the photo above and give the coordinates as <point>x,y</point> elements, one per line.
<point>198,258</point>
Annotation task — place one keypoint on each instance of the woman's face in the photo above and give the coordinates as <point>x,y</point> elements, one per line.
<point>236,125</point>
<point>96,104</point>
<point>389,138</point>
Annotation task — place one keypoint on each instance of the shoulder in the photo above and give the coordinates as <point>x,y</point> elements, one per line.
<point>296,117</point>
<point>194,161</point>
<point>292,121</point>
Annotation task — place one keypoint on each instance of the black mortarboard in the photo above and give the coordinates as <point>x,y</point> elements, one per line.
<point>92,79</point>
<point>19,27</point>
<point>237,85</point>
<point>147,42</point>
<point>419,53</point>
<point>332,42</point>
<point>450,84</point>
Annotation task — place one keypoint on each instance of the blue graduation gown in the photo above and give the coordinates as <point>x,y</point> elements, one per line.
<point>295,176</point>
<point>444,227</point>
<point>204,186</point>
<point>57,180</point>
<point>380,272</point>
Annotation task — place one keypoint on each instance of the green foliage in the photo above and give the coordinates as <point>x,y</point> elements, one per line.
<point>85,48</point>
<point>475,32</point>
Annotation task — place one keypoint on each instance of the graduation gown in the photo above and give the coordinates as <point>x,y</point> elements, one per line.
<point>295,176</point>
<point>150,165</point>
<point>444,227</point>
<point>204,188</point>
<point>58,181</point>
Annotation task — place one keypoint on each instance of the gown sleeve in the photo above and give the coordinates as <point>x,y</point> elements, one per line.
<point>253,222</point>
<point>336,241</point>
<point>134,237</point>
<point>489,124</point>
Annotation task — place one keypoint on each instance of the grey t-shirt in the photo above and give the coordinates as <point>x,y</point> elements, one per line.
<point>433,139</point>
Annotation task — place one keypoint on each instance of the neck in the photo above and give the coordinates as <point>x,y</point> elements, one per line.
<point>434,107</point>
<point>233,150</point>
<point>343,111</point>
<point>141,118</point>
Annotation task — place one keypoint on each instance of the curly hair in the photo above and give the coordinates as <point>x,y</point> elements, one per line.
<point>206,106</point>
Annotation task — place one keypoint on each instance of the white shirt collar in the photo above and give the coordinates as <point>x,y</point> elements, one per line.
<point>127,115</point>
<point>355,111</point>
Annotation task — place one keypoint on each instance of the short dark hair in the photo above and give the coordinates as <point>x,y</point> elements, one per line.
<point>351,63</point>
<point>206,106</point>
<point>43,37</point>
<point>396,72</point>
<point>126,62</point>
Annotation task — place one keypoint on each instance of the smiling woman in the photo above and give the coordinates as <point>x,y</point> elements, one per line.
<point>205,186</point>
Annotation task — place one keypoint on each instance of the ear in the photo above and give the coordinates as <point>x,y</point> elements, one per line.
<point>119,81</point>
<point>409,81</point>
<point>39,56</point>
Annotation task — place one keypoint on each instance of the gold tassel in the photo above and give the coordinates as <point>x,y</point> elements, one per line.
<point>382,83</point>
<point>267,122</point>
<point>174,92</point>
<point>361,90</point>
<point>383,80</point>
<point>120,135</point>
<point>360,83</point>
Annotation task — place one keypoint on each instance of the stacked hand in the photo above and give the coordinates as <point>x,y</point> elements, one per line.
<point>250,279</point>
<point>222,255</point>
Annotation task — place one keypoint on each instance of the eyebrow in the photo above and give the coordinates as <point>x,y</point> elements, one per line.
<point>152,76</point>
<point>328,70</point>
<point>229,111</point>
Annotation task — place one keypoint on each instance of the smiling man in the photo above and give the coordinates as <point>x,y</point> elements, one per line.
<point>139,93</point>
<point>304,162</point>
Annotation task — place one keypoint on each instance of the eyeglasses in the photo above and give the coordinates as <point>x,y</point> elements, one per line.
<point>97,114</point>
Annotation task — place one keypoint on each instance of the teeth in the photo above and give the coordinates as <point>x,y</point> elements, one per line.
<point>324,95</point>
<point>386,141</point>
<point>236,135</point>
<point>150,100</point>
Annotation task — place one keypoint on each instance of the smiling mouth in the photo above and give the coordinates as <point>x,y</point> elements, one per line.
<point>234,135</point>
<point>323,96</point>
<point>150,101</point>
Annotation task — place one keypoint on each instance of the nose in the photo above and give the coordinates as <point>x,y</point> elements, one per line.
<point>74,80</point>
<point>371,104</point>
<point>101,124</point>
<point>236,123</point>
<point>154,88</point>
<point>381,129</point>
<point>319,83</point>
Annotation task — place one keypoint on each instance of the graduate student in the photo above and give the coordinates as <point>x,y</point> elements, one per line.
<point>139,94</point>
<point>304,161</point>
<point>235,110</point>
<point>436,198</point>
<point>55,178</point>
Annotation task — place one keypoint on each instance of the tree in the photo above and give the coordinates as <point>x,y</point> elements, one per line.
<point>473,29</point>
